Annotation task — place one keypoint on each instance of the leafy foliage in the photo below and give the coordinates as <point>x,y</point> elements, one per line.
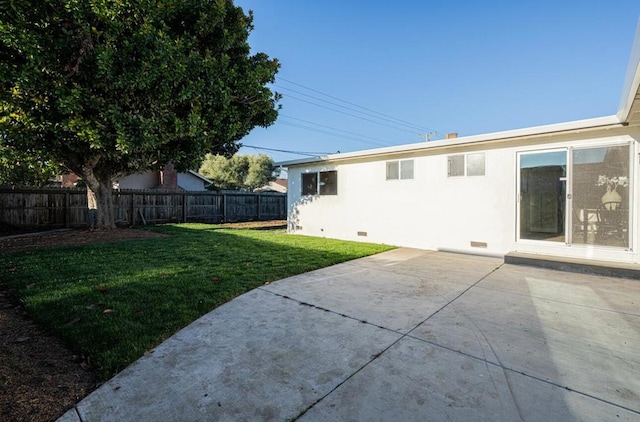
<point>240,172</point>
<point>108,88</point>
<point>20,168</point>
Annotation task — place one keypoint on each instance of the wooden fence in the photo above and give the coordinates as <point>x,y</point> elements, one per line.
<point>52,208</point>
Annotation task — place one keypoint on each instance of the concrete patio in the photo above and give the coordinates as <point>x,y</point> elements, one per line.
<point>406,335</point>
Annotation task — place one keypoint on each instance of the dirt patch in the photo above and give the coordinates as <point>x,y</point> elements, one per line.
<point>257,225</point>
<point>40,378</point>
<point>70,238</point>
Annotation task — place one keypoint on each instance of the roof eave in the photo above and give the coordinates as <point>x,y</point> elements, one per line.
<point>631,87</point>
<point>573,126</point>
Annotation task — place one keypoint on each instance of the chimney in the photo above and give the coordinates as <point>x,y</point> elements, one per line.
<point>168,178</point>
<point>451,135</point>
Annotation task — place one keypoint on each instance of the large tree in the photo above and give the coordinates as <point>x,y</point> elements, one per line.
<point>240,172</point>
<point>112,87</point>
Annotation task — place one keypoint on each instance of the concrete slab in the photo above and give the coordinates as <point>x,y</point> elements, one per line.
<point>447,337</point>
<point>416,381</point>
<point>550,328</point>
<point>259,357</point>
<point>395,290</point>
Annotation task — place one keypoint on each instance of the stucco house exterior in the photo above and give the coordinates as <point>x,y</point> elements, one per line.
<point>167,179</point>
<point>568,189</point>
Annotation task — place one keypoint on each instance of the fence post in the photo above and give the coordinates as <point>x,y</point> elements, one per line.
<point>184,207</point>
<point>67,211</point>
<point>133,209</point>
<point>224,207</point>
<point>259,196</point>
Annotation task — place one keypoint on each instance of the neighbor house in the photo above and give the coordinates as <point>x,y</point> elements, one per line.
<point>167,179</point>
<point>567,189</point>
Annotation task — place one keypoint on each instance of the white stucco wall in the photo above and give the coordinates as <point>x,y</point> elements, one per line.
<point>434,211</point>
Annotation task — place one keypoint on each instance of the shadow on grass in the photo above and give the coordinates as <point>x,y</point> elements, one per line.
<point>113,302</point>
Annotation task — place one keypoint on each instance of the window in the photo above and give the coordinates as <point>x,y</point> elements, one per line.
<point>456,165</point>
<point>475,164</point>
<point>329,182</point>
<point>400,170</point>
<point>393,170</point>
<point>325,184</point>
<point>309,183</point>
<point>472,164</point>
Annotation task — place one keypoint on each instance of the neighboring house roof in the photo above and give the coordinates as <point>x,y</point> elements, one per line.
<point>278,185</point>
<point>199,176</point>
<point>628,114</point>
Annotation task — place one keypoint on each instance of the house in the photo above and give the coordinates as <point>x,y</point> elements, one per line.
<point>167,178</point>
<point>567,189</point>
<point>278,185</point>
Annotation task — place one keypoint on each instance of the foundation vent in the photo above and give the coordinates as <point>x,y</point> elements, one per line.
<point>478,244</point>
<point>363,234</point>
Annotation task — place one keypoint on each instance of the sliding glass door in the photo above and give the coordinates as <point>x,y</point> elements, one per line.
<point>543,178</point>
<point>576,196</point>
<point>600,201</point>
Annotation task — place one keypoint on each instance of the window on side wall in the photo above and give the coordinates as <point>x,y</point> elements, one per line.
<point>309,183</point>
<point>329,182</point>
<point>323,183</point>
<point>472,164</point>
<point>402,170</point>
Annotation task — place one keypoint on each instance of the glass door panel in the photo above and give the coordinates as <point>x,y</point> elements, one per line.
<point>543,195</point>
<point>600,203</point>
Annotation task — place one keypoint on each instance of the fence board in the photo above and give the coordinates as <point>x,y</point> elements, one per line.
<point>54,208</point>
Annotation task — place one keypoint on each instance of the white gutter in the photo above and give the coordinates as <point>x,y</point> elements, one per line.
<point>576,125</point>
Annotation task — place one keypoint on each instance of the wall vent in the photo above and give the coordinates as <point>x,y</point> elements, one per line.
<point>478,244</point>
<point>363,234</point>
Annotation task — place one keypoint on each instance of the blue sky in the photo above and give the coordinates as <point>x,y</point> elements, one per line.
<point>433,66</point>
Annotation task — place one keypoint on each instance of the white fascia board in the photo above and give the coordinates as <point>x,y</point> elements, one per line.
<point>632,79</point>
<point>577,125</point>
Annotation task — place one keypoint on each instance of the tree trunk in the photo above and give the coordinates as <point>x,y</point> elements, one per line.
<point>100,200</point>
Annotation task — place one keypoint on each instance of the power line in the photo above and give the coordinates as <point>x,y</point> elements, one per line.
<point>349,114</point>
<point>309,154</point>
<point>368,139</point>
<point>390,120</point>
<point>356,105</point>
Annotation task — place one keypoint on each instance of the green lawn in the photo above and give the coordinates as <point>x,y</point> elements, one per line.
<point>112,302</point>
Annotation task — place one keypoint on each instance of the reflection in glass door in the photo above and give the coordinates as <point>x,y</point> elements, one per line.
<point>543,178</point>
<point>600,203</point>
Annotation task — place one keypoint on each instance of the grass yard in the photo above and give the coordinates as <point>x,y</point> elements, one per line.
<point>113,302</point>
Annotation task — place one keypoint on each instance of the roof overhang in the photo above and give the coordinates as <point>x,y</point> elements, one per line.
<point>577,126</point>
<point>629,109</point>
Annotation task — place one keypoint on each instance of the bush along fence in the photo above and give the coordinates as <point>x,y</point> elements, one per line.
<point>57,208</point>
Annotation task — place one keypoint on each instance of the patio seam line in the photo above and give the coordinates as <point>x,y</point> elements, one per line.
<point>506,368</point>
<point>563,302</point>
<point>377,355</point>
<point>75,407</point>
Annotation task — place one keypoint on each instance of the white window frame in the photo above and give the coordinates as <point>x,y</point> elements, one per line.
<point>465,164</point>
<point>401,165</point>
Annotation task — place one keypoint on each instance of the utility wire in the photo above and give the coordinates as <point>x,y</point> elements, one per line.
<point>349,114</point>
<point>381,142</point>
<point>391,120</point>
<point>356,105</point>
<point>309,154</point>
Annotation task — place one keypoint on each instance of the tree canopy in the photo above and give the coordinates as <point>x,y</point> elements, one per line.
<point>240,172</point>
<point>108,88</point>
<point>24,168</point>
